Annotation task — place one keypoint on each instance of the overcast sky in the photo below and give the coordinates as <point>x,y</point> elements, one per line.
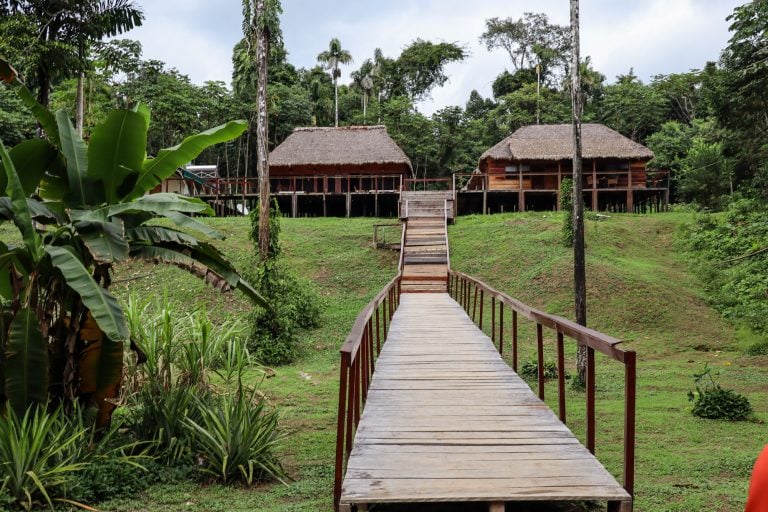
<point>651,36</point>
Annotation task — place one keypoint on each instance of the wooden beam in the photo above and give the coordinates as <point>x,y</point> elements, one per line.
<point>496,506</point>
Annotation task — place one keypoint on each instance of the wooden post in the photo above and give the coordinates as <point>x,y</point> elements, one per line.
<point>520,193</point>
<point>630,192</point>
<point>496,506</point>
<point>349,204</point>
<point>595,198</point>
<point>485,201</point>
<point>294,205</point>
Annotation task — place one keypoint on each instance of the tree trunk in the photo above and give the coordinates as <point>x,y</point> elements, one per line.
<point>336,98</point>
<point>579,270</point>
<point>262,129</point>
<point>80,103</point>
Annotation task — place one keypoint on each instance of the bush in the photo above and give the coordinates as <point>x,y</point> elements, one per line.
<point>758,349</point>
<point>295,305</point>
<point>235,438</point>
<point>530,369</point>
<point>47,455</point>
<point>729,257</point>
<point>714,402</point>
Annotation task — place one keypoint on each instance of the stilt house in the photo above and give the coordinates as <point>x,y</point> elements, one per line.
<point>531,163</point>
<point>338,171</point>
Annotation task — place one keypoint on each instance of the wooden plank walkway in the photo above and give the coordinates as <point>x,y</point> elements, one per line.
<point>447,420</point>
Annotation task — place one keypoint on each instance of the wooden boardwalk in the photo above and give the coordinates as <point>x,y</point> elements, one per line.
<point>447,420</point>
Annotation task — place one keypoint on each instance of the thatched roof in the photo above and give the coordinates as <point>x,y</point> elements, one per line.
<point>555,142</point>
<point>351,145</point>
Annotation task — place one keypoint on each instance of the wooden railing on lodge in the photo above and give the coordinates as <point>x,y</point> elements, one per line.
<point>465,289</point>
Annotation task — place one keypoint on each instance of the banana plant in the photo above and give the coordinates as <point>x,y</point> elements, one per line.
<point>79,209</point>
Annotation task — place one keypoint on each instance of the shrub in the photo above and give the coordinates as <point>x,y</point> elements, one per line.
<point>235,438</point>
<point>758,349</point>
<point>714,402</point>
<point>47,455</point>
<point>38,462</point>
<point>530,369</point>
<point>295,305</point>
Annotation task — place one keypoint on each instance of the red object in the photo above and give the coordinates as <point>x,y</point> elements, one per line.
<point>758,485</point>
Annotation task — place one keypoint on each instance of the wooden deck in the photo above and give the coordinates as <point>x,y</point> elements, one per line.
<point>447,420</point>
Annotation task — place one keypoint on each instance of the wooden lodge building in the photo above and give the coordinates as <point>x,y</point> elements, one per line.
<point>525,170</point>
<point>346,171</point>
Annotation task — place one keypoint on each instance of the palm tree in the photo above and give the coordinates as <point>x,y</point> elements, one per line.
<point>367,85</point>
<point>331,59</point>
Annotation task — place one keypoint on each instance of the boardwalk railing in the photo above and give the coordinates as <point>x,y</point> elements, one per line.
<point>358,361</point>
<point>471,293</point>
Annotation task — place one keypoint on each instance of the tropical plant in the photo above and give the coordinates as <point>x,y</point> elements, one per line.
<point>45,454</point>
<point>79,209</point>
<point>331,58</point>
<point>713,402</point>
<point>37,455</point>
<point>236,439</point>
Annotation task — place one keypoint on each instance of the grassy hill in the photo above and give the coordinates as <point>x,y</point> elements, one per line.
<point>639,290</point>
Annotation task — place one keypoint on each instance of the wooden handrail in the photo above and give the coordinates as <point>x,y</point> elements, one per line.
<point>460,286</point>
<point>358,359</point>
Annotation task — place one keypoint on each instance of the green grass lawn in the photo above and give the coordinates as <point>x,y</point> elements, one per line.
<point>639,290</point>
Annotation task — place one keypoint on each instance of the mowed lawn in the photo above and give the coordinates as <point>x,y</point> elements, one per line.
<point>639,290</point>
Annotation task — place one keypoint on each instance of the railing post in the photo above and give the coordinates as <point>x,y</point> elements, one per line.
<point>591,400</point>
<point>501,327</point>
<point>358,388</point>
<point>474,305</point>
<point>378,331</point>
<point>339,469</point>
<point>561,376</point>
<point>493,319</point>
<point>364,365</point>
<point>514,340</point>
<point>482,299</point>
<point>630,384</point>
<point>540,348</point>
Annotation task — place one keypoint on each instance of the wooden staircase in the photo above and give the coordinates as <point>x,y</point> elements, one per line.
<point>425,258</point>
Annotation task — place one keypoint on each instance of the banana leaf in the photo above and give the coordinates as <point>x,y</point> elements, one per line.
<point>26,364</point>
<point>76,154</point>
<point>32,158</point>
<point>21,214</point>
<point>157,169</point>
<point>117,150</point>
<point>105,240</point>
<point>102,305</point>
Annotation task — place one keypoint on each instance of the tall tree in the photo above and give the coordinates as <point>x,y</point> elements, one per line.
<point>92,21</point>
<point>529,41</point>
<point>332,58</point>
<point>579,264</point>
<point>64,28</point>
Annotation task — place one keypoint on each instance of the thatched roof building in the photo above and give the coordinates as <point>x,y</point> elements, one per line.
<point>353,149</point>
<point>555,142</point>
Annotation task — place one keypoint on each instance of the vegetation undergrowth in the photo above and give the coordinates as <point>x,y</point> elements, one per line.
<point>295,305</point>
<point>729,253</point>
